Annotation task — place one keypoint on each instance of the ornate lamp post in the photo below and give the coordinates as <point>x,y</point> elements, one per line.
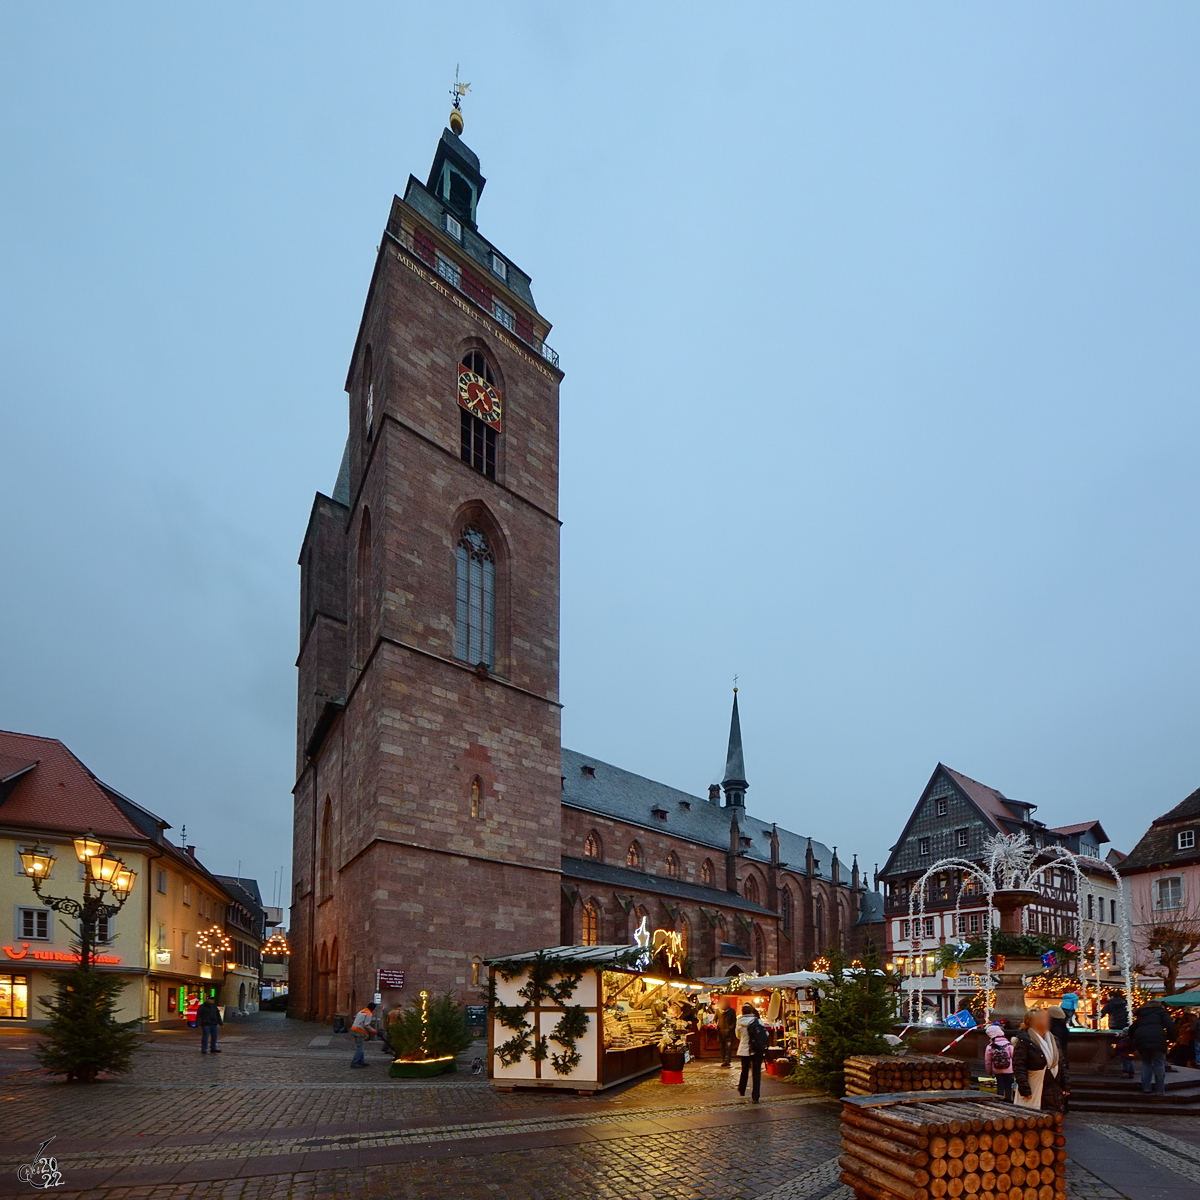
<point>107,884</point>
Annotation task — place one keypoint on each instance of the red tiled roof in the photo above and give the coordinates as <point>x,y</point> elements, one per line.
<point>14,764</point>
<point>60,793</point>
<point>988,800</point>
<point>1082,827</point>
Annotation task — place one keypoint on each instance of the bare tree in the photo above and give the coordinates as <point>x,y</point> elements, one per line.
<point>1172,935</point>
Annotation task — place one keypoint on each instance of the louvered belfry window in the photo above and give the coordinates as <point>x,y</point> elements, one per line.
<point>476,616</point>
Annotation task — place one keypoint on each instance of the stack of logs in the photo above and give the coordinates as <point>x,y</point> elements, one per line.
<point>869,1073</point>
<point>980,1150</point>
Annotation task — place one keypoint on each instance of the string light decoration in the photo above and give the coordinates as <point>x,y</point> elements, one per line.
<point>424,1024</point>
<point>276,944</point>
<point>214,941</point>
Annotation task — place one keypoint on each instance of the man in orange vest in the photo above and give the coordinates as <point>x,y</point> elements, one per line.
<point>362,1028</point>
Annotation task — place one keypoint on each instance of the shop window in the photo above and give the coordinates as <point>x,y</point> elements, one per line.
<point>672,865</point>
<point>593,847</point>
<point>14,996</point>
<point>591,923</point>
<point>33,924</point>
<point>706,872</point>
<point>633,857</point>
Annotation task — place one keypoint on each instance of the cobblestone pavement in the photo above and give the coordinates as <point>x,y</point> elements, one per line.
<point>280,1114</point>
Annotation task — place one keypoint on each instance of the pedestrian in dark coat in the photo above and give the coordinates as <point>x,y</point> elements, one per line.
<point>1039,1065</point>
<point>1058,1027</point>
<point>1152,1031</point>
<point>208,1017</point>
<point>1117,1011</point>
<point>727,1032</point>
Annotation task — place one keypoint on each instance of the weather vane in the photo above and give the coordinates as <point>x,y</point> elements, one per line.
<point>458,91</point>
<point>735,679</point>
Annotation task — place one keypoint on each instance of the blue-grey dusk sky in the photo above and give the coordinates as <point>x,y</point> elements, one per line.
<point>879,325</point>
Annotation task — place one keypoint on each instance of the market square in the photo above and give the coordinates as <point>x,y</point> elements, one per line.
<point>505,713</point>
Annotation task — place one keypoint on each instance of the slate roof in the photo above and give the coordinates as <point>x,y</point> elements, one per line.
<point>1159,845</point>
<point>871,910</point>
<point>631,798</point>
<point>341,486</point>
<point>623,878</point>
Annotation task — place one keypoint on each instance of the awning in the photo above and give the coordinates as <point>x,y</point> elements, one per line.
<point>1184,998</point>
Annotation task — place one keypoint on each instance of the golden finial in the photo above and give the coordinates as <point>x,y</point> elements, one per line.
<point>458,91</point>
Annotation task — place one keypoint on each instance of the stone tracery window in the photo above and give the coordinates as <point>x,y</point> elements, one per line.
<point>591,923</point>
<point>750,890</point>
<point>706,872</point>
<point>673,865</point>
<point>475,628</point>
<point>593,848</point>
<point>633,857</point>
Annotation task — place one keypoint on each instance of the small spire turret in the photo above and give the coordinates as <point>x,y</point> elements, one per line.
<point>734,784</point>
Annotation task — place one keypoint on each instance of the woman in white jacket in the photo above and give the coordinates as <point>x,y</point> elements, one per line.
<point>750,1058</point>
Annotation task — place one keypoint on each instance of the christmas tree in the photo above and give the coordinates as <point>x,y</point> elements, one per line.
<point>857,1007</point>
<point>83,1036</point>
<point>429,1029</point>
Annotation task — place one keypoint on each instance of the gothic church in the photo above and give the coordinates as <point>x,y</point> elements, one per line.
<point>438,820</point>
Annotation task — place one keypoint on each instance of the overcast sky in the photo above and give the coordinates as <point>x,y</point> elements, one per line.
<point>879,330</point>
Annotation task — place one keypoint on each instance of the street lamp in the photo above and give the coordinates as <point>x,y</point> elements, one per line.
<point>103,873</point>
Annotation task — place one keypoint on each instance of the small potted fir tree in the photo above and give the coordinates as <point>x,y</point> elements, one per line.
<point>427,1037</point>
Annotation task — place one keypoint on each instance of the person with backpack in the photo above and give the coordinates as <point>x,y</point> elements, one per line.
<point>753,1039</point>
<point>998,1061</point>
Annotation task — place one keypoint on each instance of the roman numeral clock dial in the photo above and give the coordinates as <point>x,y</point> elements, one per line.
<point>480,398</point>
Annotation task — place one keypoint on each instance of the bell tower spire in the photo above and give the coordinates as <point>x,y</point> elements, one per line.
<point>734,783</point>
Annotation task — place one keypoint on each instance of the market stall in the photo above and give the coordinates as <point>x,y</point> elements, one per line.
<point>784,1003</point>
<point>580,1017</point>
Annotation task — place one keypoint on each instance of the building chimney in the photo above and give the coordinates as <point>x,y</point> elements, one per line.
<point>191,851</point>
<point>714,793</point>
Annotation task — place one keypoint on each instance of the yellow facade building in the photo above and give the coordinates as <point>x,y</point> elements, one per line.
<point>173,938</point>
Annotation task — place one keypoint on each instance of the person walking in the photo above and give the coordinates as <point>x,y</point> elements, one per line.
<point>1182,1052</point>
<point>1117,1011</point>
<point>1151,1031</point>
<point>753,1039</point>
<point>727,1032</point>
<point>1039,1065</point>
<point>998,1061</point>
<point>1070,1005</point>
<point>208,1017</point>
<point>361,1029</point>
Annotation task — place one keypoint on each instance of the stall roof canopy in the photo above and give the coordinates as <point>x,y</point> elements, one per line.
<point>797,979</point>
<point>1184,998</point>
<point>595,955</point>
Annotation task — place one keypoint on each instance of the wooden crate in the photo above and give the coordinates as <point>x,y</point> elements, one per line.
<point>929,1145</point>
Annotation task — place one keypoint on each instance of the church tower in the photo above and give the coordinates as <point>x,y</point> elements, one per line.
<point>427,803</point>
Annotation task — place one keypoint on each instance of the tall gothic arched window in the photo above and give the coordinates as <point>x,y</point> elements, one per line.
<point>785,910</point>
<point>706,872</point>
<point>325,862</point>
<point>760,951</point>
<point>476,797</point>
<point>591,923</point>
<point>750,889</point>
<point>364,586</point>
<point>593,848</point>
<point>673,865</point>
<point>475,630</point>
<point>820,923</point>
<point>633,857</point>
<point>685,933</point>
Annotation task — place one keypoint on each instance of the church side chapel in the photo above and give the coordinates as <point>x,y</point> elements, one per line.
<point>439,823</point>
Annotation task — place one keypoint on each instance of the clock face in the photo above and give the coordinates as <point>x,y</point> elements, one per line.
<point>478,397</point>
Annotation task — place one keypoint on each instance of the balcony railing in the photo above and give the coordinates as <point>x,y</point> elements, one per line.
<point>475,290</point>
